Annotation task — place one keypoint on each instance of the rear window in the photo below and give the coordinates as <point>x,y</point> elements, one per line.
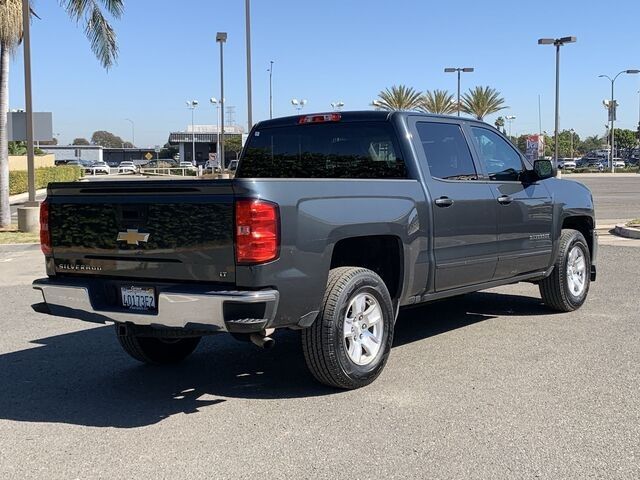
<point>327,150</point>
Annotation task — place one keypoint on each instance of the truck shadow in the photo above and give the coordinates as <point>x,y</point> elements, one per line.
<point>84,378</point>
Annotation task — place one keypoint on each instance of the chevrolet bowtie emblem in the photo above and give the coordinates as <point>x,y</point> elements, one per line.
<point>132,237</point>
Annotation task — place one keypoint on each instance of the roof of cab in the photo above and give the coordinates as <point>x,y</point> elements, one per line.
<point>362,115</point>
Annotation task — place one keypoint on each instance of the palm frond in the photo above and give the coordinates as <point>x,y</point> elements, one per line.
<point>10,23</point>
<point>482,101</point>
<point>97,28</point>
<point>438,101</point>
<point>399,98</point>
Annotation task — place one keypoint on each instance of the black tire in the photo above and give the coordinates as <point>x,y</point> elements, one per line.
<point>324,344</point>
<point>158,351</point>
<point>554,289</point>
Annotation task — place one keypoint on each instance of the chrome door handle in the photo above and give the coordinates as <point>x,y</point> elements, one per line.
<point>504,199</point>
<point>443,202</point>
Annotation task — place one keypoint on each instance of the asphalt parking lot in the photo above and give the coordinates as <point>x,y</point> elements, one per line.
<point>490,385</point>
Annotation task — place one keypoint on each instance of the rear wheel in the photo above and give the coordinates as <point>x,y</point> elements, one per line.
<point>566,288</point>
<point>349,343</point>
<point>157,350</point>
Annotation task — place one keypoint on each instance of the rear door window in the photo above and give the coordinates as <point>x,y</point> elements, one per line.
<point>447,152</point>
<point>325,150</point>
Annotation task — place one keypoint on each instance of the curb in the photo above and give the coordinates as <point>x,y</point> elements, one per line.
<point>627,232</point>
<point>18,247</point>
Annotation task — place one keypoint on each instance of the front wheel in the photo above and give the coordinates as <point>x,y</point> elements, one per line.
<point>566,288</point>
<point>157,350</point>
<point>349,343</point>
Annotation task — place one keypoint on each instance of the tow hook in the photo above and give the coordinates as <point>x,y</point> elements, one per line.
<point>263,339</point>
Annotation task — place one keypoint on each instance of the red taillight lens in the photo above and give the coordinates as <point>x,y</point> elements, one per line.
<point>45,233</point>
<point>257,231</point>
<point>321,118</point>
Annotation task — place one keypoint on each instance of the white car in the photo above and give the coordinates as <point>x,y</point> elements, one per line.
<point>619,163</point>
<point>127,167</point>
<point>567,164</point>
<point>98,168</point>
<point>188,165</point>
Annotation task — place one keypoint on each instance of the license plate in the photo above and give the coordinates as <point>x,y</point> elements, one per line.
<point>138,298</point>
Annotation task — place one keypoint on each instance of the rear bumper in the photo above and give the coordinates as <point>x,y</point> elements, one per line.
<point>194,308</point>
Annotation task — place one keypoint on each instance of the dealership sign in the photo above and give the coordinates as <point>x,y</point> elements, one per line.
<point>535,147</point>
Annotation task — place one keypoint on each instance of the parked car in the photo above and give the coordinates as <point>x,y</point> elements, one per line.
<point>74,163</point>
<point>567,164</point>
<point>162,163</point>
<point>187,165</point>
<point>127,167</point>
<point>98,168</point>
<point>233,165</point>
<point>332,223</point>
<point>619,163</point>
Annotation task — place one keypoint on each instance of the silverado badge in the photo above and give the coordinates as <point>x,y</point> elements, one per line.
<point>132,237</point>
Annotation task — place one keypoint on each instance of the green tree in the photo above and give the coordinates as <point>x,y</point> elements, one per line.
<point>80,141</point>
<point>625,141</point>
<point>107,139</point>
<point>482,101</point>
<point>233,143</point>
<point>438,101</point>
<point>399,98</point>
<point>564,144</point>
<point>102,39</point>
<point>593,142</point>
<point>499,123</point>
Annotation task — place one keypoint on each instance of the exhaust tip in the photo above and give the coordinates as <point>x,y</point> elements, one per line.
<point>262,341</point>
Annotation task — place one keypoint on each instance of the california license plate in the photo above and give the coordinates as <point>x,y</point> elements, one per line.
<point>138,298</point>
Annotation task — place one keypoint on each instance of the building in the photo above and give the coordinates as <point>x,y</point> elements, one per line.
<point>205,138</point>
<point>64,153</point>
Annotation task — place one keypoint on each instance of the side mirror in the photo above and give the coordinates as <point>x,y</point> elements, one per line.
<point>544,169</point>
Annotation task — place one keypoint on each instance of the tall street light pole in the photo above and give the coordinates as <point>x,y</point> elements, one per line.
<point>247,5</point>
<point>271,89</point>
<point>572,131</point>
<point>558,42</point>
<point>133,131</point>
<point>612,113</point>
<point>221,38</point>
<point>192,104</point>
<point>510,119</point>
<point>214,101</point>
<point>458,70</point>
<point>26,42</point>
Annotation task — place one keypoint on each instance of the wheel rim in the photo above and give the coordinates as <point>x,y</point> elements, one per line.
<point>576,271</point>
<point>363,329</point>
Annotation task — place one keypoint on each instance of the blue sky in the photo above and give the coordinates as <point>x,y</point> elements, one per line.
<point>328,50</point>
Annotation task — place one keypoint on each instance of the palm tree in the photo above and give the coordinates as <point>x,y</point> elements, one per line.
<point>438,101</point>
<point>482,101</point>
<point>398,98</point>
<point>499,123</point>
<point>101,36</point>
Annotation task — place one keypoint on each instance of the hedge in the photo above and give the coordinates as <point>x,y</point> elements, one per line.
<point>18,179</point>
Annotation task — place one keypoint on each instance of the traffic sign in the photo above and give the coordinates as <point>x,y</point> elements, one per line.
<point>148,156</point>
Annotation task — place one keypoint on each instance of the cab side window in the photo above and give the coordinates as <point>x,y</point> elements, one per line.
<point>500,160</point>
<point>447,152</point>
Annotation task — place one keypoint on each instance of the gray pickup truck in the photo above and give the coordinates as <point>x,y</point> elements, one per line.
<point>332,224</point>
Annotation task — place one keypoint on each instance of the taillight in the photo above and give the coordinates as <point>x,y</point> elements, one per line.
<point>321,118</point>
<point>257,231</point>
<point>45,233</point>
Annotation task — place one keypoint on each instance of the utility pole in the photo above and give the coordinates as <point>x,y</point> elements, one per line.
<point>271,89</point>
<point>26,42</point>
<point>221,38</point>
<point>247,4</point>
<point>458,70</point>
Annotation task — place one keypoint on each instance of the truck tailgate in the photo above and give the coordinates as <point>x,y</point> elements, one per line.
<point>151,229</point>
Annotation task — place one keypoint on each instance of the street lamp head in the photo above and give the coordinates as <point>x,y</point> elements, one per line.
<point>633,71</point>
<point>450,70</point>
<point>303,102</point>
<point>213,100</point>
<point>564,40</point>
<point>468,69</point>
<point>294,101</point>
<point>194,102</point>
<point>546,41</point>
<point>221,37</point>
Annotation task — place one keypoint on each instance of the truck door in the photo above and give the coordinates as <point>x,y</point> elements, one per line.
<point>464,214</point>
<point>524,210</point>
